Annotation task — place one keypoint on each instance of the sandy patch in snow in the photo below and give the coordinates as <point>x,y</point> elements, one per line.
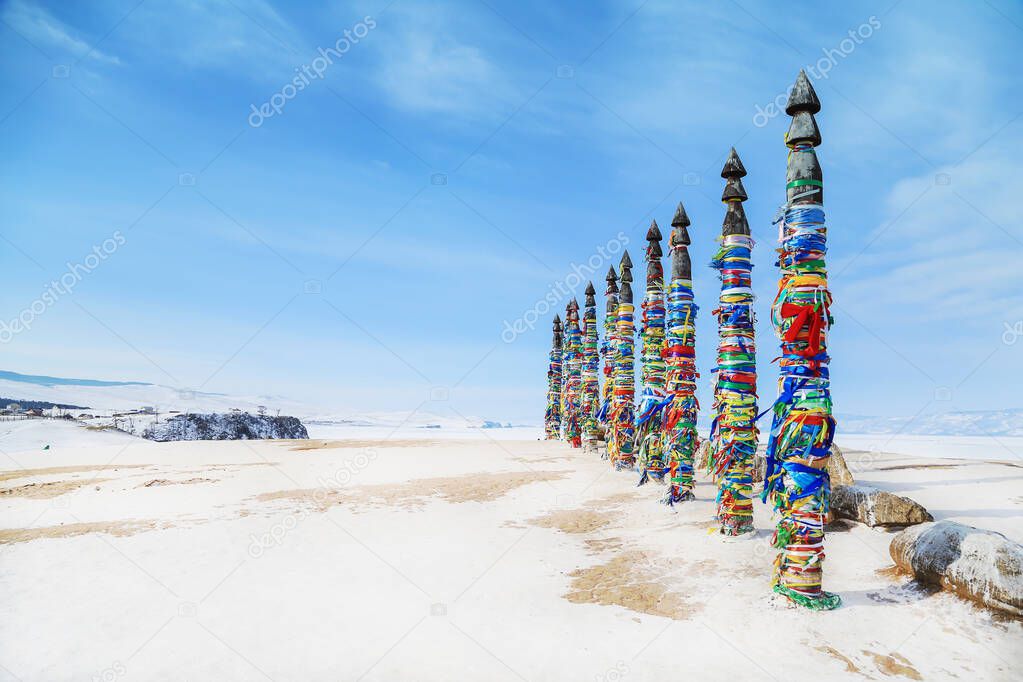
<point>69,530</point>
<point>633,581</point>
<point>574,520</point>
<point>596,515</point>
<point>336,444</point>
<point>50,488</point>
<point>53,471</point>
<point>157,482</point>
<point>894,664</point>
<point>850,667</point>
<point>413,495</point>
<point>540,460</point>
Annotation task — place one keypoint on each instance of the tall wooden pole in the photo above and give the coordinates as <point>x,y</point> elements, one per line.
<point>734,434</point>
<point>552,418</point>
<point>651,402</point>
<point>679,419</point>
<point>622,417</point>
<point>573,375</point>
<point>591,367</point>
<point>803,427</point>
<point>607,351</point>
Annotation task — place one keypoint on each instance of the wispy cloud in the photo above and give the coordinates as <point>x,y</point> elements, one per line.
<point>246,38</point>
<point>949,247</point>
<point>427,65</point>
<point>40,27</point>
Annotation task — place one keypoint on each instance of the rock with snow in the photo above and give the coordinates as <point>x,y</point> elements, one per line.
<point>838,470</point>
<point>981,565</point>
<point>229,426</point>
<point>875,507</point>
<point>702,455</point>
<point>488,424</point>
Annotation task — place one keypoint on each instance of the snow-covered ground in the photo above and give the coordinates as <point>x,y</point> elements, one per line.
<point>961,447</point>
<point>398,558</point>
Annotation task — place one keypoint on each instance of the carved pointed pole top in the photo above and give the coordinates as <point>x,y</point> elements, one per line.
<point>802,105</point>
<point>681,264</point>
<point>654,269</point>
<point>557,333</point>
<point>733,166</point>
<point>590,300</point>
<point>802,97</point>
<point>653,238</point>
<point>611,306</point>
<point>804,180</point>
<point>680,219</point>
<point>733,195</point>
<point>625,295</point>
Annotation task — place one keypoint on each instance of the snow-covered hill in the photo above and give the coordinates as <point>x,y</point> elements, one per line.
<point>230,426</point>
<point>129,399</point>
<point>1007,422</point>
<point>104,397</point>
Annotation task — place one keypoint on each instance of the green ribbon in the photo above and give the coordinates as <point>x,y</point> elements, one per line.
<point>801,183</point>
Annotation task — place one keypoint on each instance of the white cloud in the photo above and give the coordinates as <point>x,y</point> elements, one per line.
<point>242,37</point>
<point>428,75</point>
<point>42,28</point>
<point>425,67</point>
<point>954,255</point>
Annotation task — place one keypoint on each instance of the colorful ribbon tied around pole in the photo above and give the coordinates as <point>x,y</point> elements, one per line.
<point>590,369</point>
<point>734,434</point>
<point>651,401</point>
<point>680,412</point>
<point>622,413</point>
<point>573,377</point>
<point>607,351</point>
<point>552,418</point>
<point>803,427</point>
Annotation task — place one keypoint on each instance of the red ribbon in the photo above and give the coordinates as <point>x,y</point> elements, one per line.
<point>810,317</point>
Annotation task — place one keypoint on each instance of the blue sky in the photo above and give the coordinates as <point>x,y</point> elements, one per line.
<point>366,244</point>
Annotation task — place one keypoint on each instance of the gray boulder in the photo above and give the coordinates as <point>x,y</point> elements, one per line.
<point>980,565</point>
<point>837,468</point>
<point>759,467</point>
<point>875,507</point>
<point>701,458</point>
